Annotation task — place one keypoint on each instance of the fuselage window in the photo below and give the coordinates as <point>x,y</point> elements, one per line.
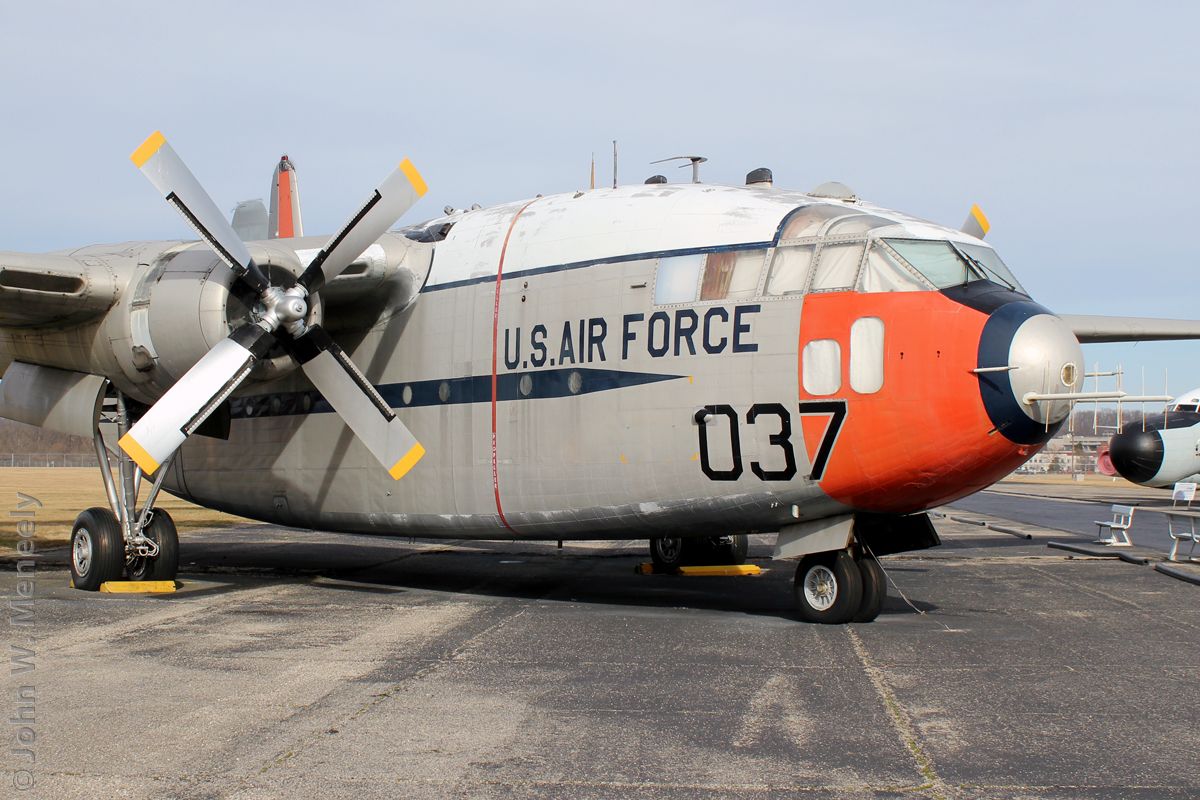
<point>678,279</point>
<point>821,367</point>
<point>866,355</point>
<point>789,269</point>
<point>732,275</point>
<point>837,266</point>
<point>883,273</point>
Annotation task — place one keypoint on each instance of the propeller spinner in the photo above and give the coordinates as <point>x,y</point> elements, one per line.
<point>185,406</point>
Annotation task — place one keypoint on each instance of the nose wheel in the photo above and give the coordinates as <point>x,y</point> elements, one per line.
<point>835,588</point>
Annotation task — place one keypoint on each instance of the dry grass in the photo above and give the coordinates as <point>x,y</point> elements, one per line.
<point>1060,479</point>
<point>64,492</point>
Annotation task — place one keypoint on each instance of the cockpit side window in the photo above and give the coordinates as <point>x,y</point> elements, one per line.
<point>837,266</point>
<point>883,273</point>
<point>790,269</point>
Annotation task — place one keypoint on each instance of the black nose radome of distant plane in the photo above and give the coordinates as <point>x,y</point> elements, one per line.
<point>1137,455</point>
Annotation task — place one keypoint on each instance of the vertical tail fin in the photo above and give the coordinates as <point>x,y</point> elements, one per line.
<point>284,221</point>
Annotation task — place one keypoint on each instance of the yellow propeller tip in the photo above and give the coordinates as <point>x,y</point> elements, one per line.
<point>147,149</point>
<point>410,459</point>
<point>414,177</point>
<point>138,453</point>
<point>980,218</point>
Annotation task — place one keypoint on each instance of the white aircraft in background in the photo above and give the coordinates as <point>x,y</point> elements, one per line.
<point>1165,451</point>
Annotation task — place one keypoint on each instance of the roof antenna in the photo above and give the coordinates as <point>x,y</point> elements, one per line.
<point>696,162</point>
<point>614,163</point>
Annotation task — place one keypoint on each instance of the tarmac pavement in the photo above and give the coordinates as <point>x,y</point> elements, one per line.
<point>319,665</point>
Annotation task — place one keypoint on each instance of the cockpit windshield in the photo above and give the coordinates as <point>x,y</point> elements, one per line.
<point>936,260</point>
<point>953,264</point>
<point>989,260</point>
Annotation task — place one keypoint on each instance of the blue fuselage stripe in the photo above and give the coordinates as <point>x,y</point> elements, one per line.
<point>541,385</point>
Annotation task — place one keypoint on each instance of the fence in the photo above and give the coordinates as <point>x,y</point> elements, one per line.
<point>48,460</point>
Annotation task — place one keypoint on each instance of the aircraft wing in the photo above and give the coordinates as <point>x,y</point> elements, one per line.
<point>1091,329</point>
<point>42,290</point>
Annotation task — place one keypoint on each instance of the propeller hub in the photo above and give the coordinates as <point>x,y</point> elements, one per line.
<point>283,307</point>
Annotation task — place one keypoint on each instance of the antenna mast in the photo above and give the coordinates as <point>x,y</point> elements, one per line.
<point>696,161</point>
<point>614,163</point>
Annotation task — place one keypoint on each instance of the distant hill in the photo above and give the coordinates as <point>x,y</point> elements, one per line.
<point>17,437</point>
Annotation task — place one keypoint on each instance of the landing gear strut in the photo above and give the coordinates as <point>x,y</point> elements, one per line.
<point>108,543</point>
<point>838,587</point>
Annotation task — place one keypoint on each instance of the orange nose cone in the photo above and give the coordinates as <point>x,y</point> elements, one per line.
<point>924,437</point>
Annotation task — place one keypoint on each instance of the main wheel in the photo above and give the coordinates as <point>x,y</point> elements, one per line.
<point>828,587</point>
<point>165,565</point>
<point>97,549</point>
<point>874,589</point>
<point>667,553</point>
<point>733,549</point>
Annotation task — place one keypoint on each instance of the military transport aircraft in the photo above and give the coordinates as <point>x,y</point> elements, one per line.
<point>682,363</point>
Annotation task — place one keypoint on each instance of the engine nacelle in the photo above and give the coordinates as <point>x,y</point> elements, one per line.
<point>187,300</point>
<point>182,305</point>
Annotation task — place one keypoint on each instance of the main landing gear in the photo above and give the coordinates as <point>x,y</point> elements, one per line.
<point>109,543</point>
<point>669,553</point>
<point>838,587</point>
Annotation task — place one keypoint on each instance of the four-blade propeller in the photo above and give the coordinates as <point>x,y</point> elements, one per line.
<point>195,396</point>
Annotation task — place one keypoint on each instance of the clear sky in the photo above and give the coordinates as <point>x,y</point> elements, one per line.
<point>1075,125</point>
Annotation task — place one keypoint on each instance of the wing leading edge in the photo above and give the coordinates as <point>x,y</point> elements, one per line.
<point>52,290</point>
<point>1092,329</point>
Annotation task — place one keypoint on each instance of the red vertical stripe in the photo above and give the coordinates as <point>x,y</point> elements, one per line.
<point>284,204</point>
<point>495,337</point>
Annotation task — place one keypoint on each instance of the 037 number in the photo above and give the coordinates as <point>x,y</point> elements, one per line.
<point>782,438</point>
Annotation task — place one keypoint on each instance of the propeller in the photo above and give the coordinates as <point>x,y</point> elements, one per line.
<point>167,424</point>
<point>977,224</point>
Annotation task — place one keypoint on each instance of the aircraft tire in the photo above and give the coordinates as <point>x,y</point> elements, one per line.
<point>165,565</point>
<point>667,553</point>
<point>874,590</point>
<point>828,588</point>
<point>734,551</point>
<point>97,549</point>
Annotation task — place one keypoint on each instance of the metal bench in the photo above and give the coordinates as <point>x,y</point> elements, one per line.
<point>1118,527</point>
<point>1182,527</point>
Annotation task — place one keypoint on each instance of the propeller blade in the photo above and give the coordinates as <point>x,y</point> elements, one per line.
<point>387,204</point>
<point>202,389</point>
<point>166,170</point>
<point>977,224</point>
<point>356,401</point>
